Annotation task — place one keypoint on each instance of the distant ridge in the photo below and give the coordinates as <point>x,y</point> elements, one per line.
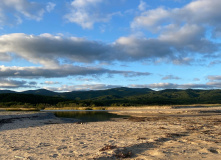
<point>117,96</point>
<point>7,91</point>
<point>43,92</point>
<point>119,92</point>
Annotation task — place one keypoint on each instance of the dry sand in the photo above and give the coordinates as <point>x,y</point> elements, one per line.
<point>170,134</point>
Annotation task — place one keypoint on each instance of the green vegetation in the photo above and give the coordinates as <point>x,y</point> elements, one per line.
<point>95,100</point>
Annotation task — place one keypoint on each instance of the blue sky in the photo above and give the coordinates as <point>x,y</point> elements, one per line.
<point>99,44</point>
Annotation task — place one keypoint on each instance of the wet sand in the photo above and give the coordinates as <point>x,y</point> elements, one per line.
<point>149,134</point>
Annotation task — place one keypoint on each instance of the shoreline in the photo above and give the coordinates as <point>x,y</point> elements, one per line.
<point>185,135</point>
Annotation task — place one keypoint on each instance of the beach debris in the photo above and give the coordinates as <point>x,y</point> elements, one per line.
<point>80,122</point>
<point>43,145</point>
<point>19,157</point>
<point>141,138</point>
<point>62,147</point>
<point>212,150</point>
<point>54,155</point>
<point>175,134</point>
<point>30,158</point>
<point>108,147</point>
<point>122,153</point>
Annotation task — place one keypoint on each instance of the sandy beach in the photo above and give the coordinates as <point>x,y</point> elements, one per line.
<point>153,134</point>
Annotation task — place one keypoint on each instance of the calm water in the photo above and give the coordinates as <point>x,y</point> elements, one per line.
<point>88,116</point>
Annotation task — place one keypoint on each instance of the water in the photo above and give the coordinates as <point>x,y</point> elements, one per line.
<point>88,116</point>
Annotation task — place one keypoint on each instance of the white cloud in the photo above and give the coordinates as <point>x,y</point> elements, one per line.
<point>151,19</point>
<point>160,86</point>
<point>51,82</point>
<point>184,28</point>
<point>201,12</point>
<point>13,11</point>
<point>50,6</point>
<point>87,12</point>
<point>68,88</point>
<point>142,6</point>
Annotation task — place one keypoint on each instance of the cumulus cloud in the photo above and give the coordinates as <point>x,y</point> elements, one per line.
<point>142,48</point>
<point>13,11</point>
<point>49,50</point>
<point>197,12</point>
<point>164,49</point>
<point>46,49</point>
<point>86,13</point>
<point>184,29</point>
<point>188,38</point>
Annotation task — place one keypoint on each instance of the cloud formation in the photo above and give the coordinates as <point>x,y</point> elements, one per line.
<point>184,31</point>
<point>48,50</point>
<point>8,83</point>
<point>188,35</point>
<point>142,6</point>
<point>160,86</point>
<point>69,88</point>
<point>86,13</point>
<point>168,77</point>
<point>214,78</point>
<point>13,11</point>
<point>197,12</point>
<point>62,71</point>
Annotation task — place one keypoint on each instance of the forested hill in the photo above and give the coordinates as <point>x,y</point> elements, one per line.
<point>83,95</point>
<point>117,97</point>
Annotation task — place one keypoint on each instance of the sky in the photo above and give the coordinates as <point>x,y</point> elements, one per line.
<point>68,45</point>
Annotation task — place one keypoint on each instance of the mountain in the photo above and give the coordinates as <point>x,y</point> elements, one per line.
<point>6,91</point>
<point>83,95</point>
<point>119,92</point>
<point>43,92</point>
<point>117,96</point>
<point>19,98</point>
